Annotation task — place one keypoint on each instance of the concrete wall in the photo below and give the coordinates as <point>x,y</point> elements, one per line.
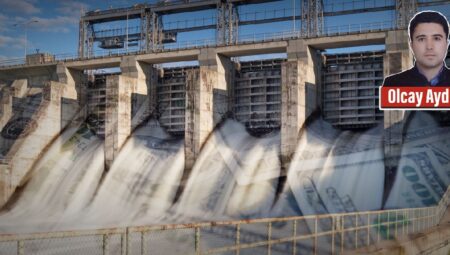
<point>5,107</point>
<point>36,75</point>
<point>144,95</point>
<point>300,77</point>
<point>74,103</point>
<point>26,150</point>
<point>118,122</point>
<point>135,79</point>
<point>207,100</point>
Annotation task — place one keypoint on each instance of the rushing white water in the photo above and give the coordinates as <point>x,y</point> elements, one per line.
<point>234,176</point>
<point>63,180</point>
<point>328,177</point>
<point>141,184</point>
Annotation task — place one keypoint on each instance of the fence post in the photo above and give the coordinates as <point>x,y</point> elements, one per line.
<point>342,233</point>
<point>379,228</point>
<point>143,243</point>
<point>238,238</point>
<point>430,217</point>
<point>105,244</point>
<point>333,229</point>
<point>197,240</point>
<point>436,217</point>
<point>396,221</point>
<point>315,235</point>
<point>20,250</point>
<point>368,229</point>
<point>123,243</point>
<point>127,241</point>
<point>294,240</point>
<point>388,225</point>
<point>269,237</point>
<point>403,222</point>
<point>420,224</point>
<point>356,231</point>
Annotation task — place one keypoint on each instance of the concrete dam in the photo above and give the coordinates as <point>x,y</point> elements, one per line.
<point>123,139</point>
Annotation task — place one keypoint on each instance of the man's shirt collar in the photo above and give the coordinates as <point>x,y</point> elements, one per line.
<point>435,80</point>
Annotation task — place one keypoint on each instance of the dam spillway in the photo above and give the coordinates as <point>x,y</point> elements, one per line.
<point>222,138</point>
<point>255,102</point>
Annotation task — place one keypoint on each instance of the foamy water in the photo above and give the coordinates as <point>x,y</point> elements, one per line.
<point>141,184</point>
<point>234,177</point>
<point>63,180</point>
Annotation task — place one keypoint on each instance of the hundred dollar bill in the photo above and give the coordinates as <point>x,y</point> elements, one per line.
<point>318,184</point>
<point>142,180</point>
<point>235,174</point>
<point>425,132</point>
<point>250,159</point>
<point>321,140</point>
<point>420,181</point>
<point>339,184</point>
<point>209,185</point>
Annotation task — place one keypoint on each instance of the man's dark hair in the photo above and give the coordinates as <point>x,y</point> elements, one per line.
<point>428,17</point>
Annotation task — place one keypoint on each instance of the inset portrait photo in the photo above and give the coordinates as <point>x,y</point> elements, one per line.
<point>426,85</point>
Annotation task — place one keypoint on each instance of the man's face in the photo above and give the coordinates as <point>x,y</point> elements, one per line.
<point>429,45</point>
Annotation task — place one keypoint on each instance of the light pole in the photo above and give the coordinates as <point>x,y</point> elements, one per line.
<point>293,14</point>
<point>25,24</point>
<point>126,38</point>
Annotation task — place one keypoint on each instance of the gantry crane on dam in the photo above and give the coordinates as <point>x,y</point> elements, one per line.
<point>151,34</point>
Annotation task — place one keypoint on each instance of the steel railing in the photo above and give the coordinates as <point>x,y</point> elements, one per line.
<point>202,43</point>
<point>330,233</point>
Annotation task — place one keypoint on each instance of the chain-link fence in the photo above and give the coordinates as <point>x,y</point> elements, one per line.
<point>316,234</point>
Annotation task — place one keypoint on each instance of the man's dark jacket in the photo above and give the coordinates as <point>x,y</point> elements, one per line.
<point>413,77</point>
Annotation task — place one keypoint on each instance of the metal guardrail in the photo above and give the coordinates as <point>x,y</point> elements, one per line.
<point>195,44</point>
<point>331,233</point>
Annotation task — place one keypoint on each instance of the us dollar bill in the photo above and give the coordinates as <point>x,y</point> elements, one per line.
<point>232,164</point>
<point>333,184</point>
<point>421,180</point>
<point>143,178</point>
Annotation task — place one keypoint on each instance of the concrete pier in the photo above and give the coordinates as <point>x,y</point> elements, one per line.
<point>299,93</point>
<point>5,107</point>
<point>44,126</point>
<point>398,58</point>
<point>134,79</point>
<point>206,100</point>
<point>75,99</point>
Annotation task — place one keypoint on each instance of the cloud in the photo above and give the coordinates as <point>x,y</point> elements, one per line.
<point>4,21</point>
<point>12,42</point>
<point>22,6</point>
<point>72,8</point>
<point>56,24</point>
